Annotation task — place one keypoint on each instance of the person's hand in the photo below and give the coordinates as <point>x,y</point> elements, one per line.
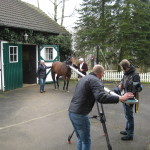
<point>126,96</point>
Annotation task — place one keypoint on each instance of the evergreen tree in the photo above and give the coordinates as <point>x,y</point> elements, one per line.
<point>94,25</point>
<point>133,32</point>
<point>118,28</point>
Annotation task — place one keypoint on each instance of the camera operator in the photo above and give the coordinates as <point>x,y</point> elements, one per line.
<point>129,83</point>
<point>88,90</point>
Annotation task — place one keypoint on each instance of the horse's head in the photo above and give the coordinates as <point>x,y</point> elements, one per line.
<point>69,60</point>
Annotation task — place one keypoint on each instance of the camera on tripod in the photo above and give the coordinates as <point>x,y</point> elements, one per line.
<point>134,87</point>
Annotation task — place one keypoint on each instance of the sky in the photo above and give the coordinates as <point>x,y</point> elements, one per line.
<point>47,7</point>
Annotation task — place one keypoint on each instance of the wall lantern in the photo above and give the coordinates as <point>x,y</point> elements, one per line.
<point>26,37</point>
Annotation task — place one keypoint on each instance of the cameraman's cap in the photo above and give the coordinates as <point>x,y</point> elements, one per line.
<point>81,59</point>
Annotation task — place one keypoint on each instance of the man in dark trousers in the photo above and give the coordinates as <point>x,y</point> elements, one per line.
<point>88,90</point>
<point>129,83</point>
<point>42,75</point>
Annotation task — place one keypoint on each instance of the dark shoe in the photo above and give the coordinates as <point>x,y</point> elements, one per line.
<point>41,91</point>
<point>123,132</point>
<point>127,138</point>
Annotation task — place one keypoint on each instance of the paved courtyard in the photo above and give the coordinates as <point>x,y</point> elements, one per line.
<point>30,120</point>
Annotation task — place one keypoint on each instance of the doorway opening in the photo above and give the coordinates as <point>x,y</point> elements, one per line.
<point>29,64</point>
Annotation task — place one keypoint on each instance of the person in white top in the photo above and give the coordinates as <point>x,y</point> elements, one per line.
<point>82,67</point>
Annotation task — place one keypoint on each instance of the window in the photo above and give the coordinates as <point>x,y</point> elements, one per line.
<point>13,54</point>
<point>49,53</point>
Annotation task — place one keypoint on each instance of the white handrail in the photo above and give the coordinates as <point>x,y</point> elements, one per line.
<point>106,89</point>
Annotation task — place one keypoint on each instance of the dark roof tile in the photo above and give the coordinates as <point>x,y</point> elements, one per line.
<point>15,13</point>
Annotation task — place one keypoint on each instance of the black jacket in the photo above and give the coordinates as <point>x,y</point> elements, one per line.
<point>42,71</point>
<point>84,67</point>
<point>89,89</point>
<point>130,77</point>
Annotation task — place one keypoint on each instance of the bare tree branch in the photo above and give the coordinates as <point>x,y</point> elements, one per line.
<point>51,2</point>
<point>62,16</point>
<point>56,3</point>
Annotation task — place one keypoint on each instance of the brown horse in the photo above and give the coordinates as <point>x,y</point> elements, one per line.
<point>61,69</point>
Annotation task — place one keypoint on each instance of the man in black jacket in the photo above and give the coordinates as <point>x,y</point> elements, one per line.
<point>129,83</point>
<point>42,75</point>
<point>88,90</point>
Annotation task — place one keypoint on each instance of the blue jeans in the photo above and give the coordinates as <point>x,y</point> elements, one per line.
<point>81,126</point>
<point>128,110</point>
<point>42,83</point>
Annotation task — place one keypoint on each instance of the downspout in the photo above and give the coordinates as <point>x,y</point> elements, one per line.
<point>2,65</point>
<point>37,62</point>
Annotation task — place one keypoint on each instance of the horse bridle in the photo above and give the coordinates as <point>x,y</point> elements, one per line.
<point>68,61</point>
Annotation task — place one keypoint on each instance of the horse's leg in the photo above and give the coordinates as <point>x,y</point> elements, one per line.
<point>57,79</point>
<point>68,79</point>
<point>53,77</point>
<point>64,78</point>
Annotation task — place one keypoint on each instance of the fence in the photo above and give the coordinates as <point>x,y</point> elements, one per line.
<point>117,76</point>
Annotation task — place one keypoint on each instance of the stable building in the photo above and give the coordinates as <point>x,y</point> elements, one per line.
<point>23,30</point>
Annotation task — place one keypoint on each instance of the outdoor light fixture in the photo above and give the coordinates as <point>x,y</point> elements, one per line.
<point>26,37</point>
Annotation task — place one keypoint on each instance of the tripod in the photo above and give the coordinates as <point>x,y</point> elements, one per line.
<point>102,119</point>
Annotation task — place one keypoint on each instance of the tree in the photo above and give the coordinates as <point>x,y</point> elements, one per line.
<point>119,28</point>
<point>141,43</point>
<point>131,33</point>
<point>55,10</point>
<point>62,14</point>
<point>59,6</point>
<point>95,26</point>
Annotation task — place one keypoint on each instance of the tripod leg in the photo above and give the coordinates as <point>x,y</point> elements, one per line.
<point>70,136</point>
<point>103,120</point>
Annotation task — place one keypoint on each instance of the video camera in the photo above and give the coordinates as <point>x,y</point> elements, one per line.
<point>135,87</point>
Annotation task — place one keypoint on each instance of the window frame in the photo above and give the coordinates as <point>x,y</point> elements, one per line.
<point>13,54</point>
<point>49,54</point>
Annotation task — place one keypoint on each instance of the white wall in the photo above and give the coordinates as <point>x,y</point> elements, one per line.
<point>49,77</point>
<point>0,77</point>
<point>43,55</point>
<point>0,69</point>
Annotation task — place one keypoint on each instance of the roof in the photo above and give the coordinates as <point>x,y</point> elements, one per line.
<point>19,14</point>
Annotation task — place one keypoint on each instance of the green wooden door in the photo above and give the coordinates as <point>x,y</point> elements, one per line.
<point>12,54</point>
